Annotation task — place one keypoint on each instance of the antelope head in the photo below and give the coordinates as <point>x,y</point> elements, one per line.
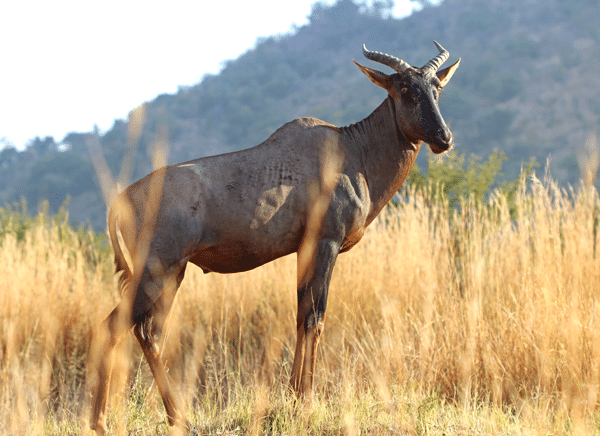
<point>415,93</point>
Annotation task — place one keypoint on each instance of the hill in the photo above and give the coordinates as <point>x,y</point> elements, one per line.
<point>527,85</point>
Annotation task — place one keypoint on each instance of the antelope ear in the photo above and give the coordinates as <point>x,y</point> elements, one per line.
<point>446,74</point>
<point>377,77</point>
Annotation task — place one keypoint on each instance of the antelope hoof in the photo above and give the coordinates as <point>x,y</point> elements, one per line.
<point>100,429</point>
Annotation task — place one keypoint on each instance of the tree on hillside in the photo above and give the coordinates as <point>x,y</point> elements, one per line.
<point>8,155</point>
<point>42,146</point>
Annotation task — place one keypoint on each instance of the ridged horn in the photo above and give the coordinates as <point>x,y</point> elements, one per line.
<point>437,61</point>
<point>391,61</point>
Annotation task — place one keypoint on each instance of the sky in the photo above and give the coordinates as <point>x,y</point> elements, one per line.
<point>68,65</point>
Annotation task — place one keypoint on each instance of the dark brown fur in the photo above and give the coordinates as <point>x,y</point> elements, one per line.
<point>311,188</point>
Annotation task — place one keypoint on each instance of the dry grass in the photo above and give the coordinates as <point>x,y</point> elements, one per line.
<point>439,322</point>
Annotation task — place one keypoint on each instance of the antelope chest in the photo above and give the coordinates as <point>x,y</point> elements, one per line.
<point>353,208</point>
<point>352,239</point>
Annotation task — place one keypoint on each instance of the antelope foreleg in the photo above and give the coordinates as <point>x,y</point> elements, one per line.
<point>310,355</point>
<point>296,375</point>
<point>312,303</point>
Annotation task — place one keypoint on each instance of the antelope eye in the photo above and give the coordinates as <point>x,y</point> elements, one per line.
<point>404,90</point>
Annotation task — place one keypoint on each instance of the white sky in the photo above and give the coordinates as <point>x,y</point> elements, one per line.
<point>66,65</point>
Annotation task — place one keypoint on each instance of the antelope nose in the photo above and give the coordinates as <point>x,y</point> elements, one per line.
<point>448,140</point>
<point>442,142</point>
<point>445,139</point>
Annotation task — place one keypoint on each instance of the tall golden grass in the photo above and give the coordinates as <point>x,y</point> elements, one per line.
<point>482,320</point>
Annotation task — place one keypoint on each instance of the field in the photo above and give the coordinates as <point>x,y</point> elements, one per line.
<point>483,320</point>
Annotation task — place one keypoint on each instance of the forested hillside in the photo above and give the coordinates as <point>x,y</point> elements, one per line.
<point>528,85</point>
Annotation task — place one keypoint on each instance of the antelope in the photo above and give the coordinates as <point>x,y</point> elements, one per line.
<point>311,188</point>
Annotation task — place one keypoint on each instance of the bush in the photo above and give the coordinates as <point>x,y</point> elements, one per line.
<point>456,178</point>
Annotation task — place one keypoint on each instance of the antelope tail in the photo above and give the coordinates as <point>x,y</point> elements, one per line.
<point>120,260</point>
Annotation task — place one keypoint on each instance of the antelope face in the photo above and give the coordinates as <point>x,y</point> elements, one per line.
<point>417,112</point>
<point>415,93</point>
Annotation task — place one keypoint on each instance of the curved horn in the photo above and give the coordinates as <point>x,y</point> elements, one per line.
<point>391,61</point>
<point>437,61</point>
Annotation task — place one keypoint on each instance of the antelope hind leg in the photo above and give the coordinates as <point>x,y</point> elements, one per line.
<point>147,334</point>
<point>110,333</point>
<point>147,330</point>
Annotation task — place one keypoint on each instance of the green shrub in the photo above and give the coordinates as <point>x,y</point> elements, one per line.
<point>457,177</point>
